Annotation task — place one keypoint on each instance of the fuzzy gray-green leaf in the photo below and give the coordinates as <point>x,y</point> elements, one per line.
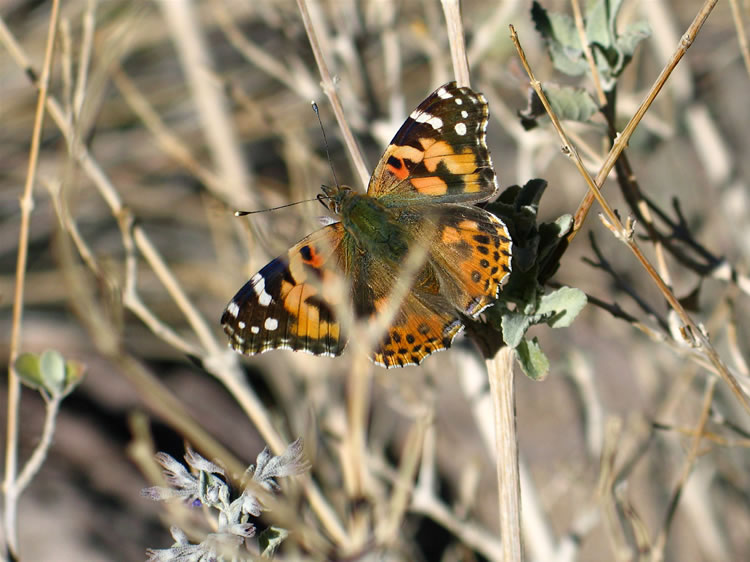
<point>600,16</point>
<point>628,40</point>
<point>514,327</point>
<point>532,359</point>
<point>561,37</point>
<point>52,367</point>
<point>270,539</point>
<point>562,306</point>
<point>574,104</point>
<point>74,372</point>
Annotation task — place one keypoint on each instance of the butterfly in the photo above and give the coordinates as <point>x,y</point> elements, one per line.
<point>419,198</point>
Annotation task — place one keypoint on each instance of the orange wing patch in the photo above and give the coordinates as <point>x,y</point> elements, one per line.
<point>396,156</point>
<point>408,342</point>
<point>310,293</point>
<point>431,185</point>
<point>475,250</point>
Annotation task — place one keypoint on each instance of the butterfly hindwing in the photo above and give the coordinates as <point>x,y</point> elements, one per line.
<point>424,321</point>
<point>440,154</point>
<point>285,305</point>
<point>472,253</point>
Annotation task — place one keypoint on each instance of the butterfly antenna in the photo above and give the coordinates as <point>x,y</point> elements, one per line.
<point>245,213</point>
<point>325,142</point>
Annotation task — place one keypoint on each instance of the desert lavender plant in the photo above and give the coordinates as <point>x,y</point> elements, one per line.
<point>208,488</point>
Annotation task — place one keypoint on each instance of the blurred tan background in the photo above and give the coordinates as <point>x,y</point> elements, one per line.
<point>190,112</point>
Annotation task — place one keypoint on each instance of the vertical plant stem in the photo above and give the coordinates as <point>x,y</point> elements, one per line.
<point>457,41</point>
<point>500,371</point>
<point>36,459</point>
<point>741,37</point>
<point>14,386</point>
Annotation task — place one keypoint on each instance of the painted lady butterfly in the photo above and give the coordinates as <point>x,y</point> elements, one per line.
<point>419,197</point>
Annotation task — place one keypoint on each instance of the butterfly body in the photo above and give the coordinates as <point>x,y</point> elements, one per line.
<point>418,204</point>
<point>373,227</point>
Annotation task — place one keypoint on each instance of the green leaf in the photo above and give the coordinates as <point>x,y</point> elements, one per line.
<point>555,27</point>
<point>564,223</point>
<point>562,306</point>
<point>74,371</point>
<point>27,367</point>
<point>514,327</point>
<point>561,38</point>
<point>49,372</point>
<point>574,104</point>
<point>532,359</point>
<point>52,366</point>
<point>629,39</point>
<point>600,16</point>
<point>611,50</point>
<point>270,539</point>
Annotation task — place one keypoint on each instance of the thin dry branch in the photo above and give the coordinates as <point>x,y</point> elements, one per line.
<point>661,539</point>
<point>741,36</point>
<point>625,233</point>
<point>329,88</point>
<point>623,137</point>
<point>10,484</point>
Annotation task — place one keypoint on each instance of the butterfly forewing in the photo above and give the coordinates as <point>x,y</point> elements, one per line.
<point>440,153</point>
<point>287,305</point>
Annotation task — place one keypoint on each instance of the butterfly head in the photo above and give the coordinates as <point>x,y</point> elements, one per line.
<point>335,196</point>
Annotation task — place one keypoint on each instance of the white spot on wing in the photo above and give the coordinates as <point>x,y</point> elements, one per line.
<point>464,114</point>
<point>459,101</point>
<point>460,129</point>
<point>271,324</point>
<point>259,285</point>
<point>241,325</point>
<point>444,94</point>
<point>434,122</point>
<point>233,309</point>
<point>254,329</point>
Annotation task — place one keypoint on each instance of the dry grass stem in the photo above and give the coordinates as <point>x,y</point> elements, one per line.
<point>741,36</point>
<point>329,89</point>
<point>457,41</point>
<point>11,488</point>
<point>578,17</point>
<point>500,371</point>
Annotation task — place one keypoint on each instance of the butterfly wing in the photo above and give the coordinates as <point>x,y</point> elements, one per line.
<point>424,323</point>
<point>468,260</point>
<point>286,304</point>
<point>471,253</point>
<point>440,153</point>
